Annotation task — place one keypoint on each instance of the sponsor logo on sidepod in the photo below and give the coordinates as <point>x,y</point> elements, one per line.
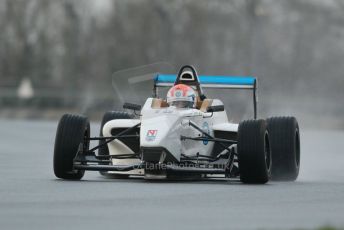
<point>151,135</point>
<point>205,128</point>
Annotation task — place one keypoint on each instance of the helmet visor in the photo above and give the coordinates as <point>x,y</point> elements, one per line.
<point>182,104</point>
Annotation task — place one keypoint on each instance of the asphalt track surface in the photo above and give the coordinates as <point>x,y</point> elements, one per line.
<point>32,198</point>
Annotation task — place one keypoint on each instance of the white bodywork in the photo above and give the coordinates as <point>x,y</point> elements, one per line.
<point>163,127</point>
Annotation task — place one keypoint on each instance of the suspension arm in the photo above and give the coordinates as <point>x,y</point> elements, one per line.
<point>109,139</point>
<point>207,139</point>
<point>207,135</point>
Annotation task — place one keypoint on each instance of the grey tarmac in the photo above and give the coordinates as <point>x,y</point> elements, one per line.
<point>32,198</point>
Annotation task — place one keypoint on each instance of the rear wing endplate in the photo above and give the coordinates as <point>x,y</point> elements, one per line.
<point>223,82</point>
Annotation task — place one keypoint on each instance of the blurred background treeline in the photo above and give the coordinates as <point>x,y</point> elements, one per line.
<point>59,55</point>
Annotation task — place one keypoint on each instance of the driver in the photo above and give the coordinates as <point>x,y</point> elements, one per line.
<point>181,96</point>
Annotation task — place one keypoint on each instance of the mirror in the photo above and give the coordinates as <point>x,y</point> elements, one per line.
<point>216,108</point>
<point>131,106</point>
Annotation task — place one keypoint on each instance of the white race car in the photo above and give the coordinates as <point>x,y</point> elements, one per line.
<point>159,140</point>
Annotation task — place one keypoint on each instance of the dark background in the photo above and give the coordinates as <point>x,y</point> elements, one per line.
<point>69,49</point>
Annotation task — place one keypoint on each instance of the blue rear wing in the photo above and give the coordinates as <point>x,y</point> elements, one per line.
<point>231,82</point>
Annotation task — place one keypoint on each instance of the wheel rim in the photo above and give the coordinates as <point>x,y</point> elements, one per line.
<point>297,148</point>
<point>86,143</point>
<point>267,150</point>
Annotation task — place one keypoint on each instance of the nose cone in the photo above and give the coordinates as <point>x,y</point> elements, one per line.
<point>157,130</point>
<point>162,132</point>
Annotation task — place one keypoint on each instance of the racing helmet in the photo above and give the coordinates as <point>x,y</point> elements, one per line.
<point>181,96</point>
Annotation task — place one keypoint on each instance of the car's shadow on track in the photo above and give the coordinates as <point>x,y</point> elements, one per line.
<point>141,180</point>
<point>200,181</point>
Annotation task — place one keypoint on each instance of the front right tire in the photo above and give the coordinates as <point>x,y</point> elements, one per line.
<point>72,131</point>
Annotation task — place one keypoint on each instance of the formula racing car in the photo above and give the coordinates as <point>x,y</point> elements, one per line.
<point>185,135</point>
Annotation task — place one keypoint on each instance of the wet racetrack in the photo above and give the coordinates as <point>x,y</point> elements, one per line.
<point>32,198</point>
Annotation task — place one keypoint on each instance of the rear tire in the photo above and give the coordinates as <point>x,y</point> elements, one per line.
<point>254,155</point>
<point>285,148</point>
<point>104,150</point>
<point>71,132</point>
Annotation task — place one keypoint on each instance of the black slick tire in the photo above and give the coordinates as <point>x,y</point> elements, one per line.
<point>254,155</point>
<point>285,147</point>
<point>72,131</point>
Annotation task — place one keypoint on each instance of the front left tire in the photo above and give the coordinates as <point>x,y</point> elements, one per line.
<point>254,155</point>
<point>285,148</point>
